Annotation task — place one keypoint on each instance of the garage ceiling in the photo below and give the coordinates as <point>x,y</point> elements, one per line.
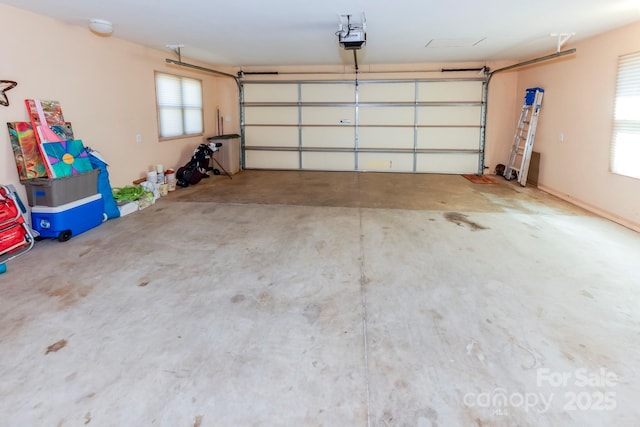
<point>295,32</point>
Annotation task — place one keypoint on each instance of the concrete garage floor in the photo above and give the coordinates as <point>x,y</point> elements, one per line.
<point>344,299</point>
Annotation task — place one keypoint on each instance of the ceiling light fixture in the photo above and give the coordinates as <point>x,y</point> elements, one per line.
<point>101,27</point>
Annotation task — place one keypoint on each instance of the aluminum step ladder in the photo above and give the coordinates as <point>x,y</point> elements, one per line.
<point>518,166</point>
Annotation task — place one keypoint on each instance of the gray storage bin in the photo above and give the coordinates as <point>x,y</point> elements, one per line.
<point>59,191</point>
<point>229,154</point>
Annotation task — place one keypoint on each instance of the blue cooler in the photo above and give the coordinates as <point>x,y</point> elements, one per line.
<point>64,221</point>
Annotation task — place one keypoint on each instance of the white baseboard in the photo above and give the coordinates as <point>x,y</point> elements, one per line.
<point>593,209</point>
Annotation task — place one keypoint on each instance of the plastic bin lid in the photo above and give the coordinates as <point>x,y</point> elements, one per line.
<point>228,136</point>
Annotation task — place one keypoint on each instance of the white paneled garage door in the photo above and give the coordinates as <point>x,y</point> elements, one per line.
<point>432,126</point>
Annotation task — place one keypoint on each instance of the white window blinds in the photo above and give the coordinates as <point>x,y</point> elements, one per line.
<point>179,102</point>
<point>625,145</point>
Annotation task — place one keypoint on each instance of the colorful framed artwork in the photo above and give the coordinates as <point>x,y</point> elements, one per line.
<point>25,150</point>
<point>43,115</point>
<point>65,132</point>
<point>66,158</point>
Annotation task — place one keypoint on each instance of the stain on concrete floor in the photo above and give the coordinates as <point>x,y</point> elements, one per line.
<point>55,347</point>
<point>459,219</point>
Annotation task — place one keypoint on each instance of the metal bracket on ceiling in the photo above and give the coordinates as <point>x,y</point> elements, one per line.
<point>562,39</point>
<point>177,48</point>
<point>346,25</point>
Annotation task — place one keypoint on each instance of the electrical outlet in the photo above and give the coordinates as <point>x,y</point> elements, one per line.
<point>138,138</point>
<point>561,137</point>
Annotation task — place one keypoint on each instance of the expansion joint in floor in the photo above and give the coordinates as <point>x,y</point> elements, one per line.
<point>363,296</point>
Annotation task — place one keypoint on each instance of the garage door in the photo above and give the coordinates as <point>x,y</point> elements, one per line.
<point>431,126</point>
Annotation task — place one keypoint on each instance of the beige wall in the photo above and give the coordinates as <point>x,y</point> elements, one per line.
<point>106,90</point>
<point>503,110</point>
<point>578,102</point>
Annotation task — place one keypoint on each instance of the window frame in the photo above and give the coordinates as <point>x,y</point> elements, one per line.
<point>181,105</point>
<point>627,86</point>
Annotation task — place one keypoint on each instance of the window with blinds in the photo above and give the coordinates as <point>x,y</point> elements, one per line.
<point>179,103</point>
<point>625,145</point>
